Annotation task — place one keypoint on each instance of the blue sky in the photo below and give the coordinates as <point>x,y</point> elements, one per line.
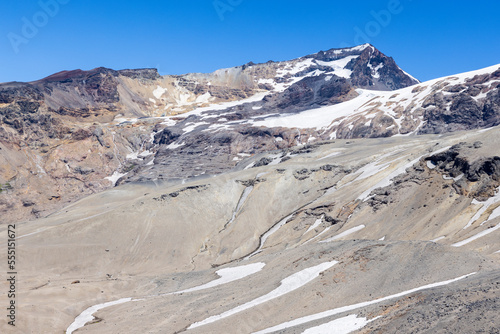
<point>428,39</point>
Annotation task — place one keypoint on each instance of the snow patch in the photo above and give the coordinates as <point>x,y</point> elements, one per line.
<point>344,234</point>
<point>227,275</point>
<point>87,315</point>
<point>204,98</point>
<point>159,91</point>
<point>316,224</point>
<point>173,146</point>
<point>343,325</point>
<point>115,177</point>
<point>266,235</point>
<point>287,285</point>
<point>485,206</point>
<point>329,155</point>
<point>477,236</point>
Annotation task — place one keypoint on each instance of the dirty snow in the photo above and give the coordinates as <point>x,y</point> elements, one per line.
<point>115,177</point>
<point>268,234</point>
<point>316,224</point>
<point>485,206</point>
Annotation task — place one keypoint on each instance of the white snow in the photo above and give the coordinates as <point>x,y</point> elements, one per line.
<point>329,313</point>
<point>367,103</point>
<point>242,201</point>
<point>298,67</point>
<point>287,285</point>
<point>430,165</point>
<point>477,236</point>
<point>329,155</point>
<point>320,117</point>
<point>159,91</point>
<point>344,234</point>
<point>173,146</point>
<point>338,66</point>
<point>446,177</point>
<point>120,119</point>
<point>115,177</point>
<point>228,275</point>
<point>191,126</point>
<point>138,155</point>
<point>224,105</point>
<point>250,165</point>
<point>382,239</point>
<point>437,239</point>
<point>328,78</point>
<point>87,315</point>
<point>375,70</point>
<point>266,235</point>
<point>344,325</point>
<point>409,75</point>
<point>317,236</point>
<point>485,206</point>
<point>152,100</point>
<point>316,224</point>
<point>204,98</point>
<point>169,122</point>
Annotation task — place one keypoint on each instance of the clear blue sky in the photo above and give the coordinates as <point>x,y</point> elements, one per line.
<point>428,39</point>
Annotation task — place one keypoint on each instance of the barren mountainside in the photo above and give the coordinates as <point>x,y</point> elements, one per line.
<point>333,193</point>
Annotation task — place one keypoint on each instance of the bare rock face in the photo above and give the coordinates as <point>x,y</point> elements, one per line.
<point>471,105</point>
<point>373,69</point>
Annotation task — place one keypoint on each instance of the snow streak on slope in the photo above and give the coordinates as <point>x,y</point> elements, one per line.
<point>268,234</point>
<point>348,308</point>
<point>87,315</point>
<point>477,236</point>
<point>287,285</point>
<point>398,171</point>
<point>343,325</point>
<point>485,206</point>
<point>227,275</point>
<point>345,233</point>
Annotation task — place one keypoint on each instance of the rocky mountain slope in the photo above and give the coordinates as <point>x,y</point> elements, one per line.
<point>384,235</point>
<point>327,194</point>
<point>67,136</point>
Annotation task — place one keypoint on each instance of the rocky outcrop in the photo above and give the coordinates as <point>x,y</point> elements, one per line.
<point>471,105</point>
<point>477,179</point>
